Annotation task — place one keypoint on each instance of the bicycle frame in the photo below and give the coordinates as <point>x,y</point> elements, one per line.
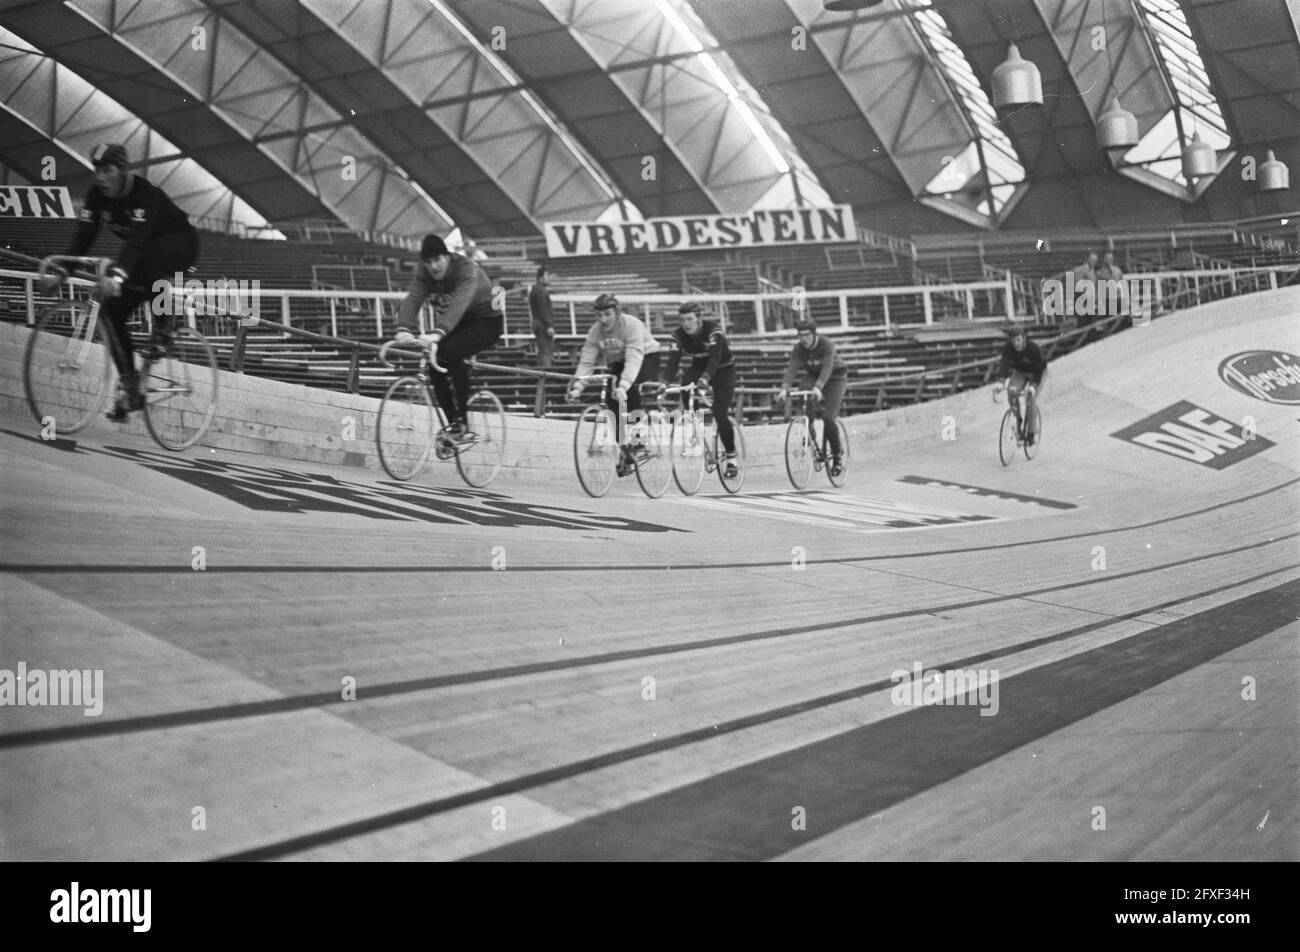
<point>822,447</point>
<point>692,395</point>
<point>424,374</point>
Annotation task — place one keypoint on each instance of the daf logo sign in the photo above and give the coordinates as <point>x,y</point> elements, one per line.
<point>1270,375</point>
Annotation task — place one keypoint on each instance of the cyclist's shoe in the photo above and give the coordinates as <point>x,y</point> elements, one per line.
<point>126,403</point>
<point>626,463</point>
<point>729,468</point>
<point>837,469</point>
<point>638,451</point>
<point>129,399</point>
<point>457,433</point>
<point>1029,440</point>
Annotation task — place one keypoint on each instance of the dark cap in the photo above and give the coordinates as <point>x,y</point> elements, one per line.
<point>108,154</point>
<point>432,247</point>
<point>690,307</point>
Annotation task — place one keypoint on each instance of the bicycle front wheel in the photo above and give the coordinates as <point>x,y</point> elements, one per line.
<point>67,367</point>
<point>480,460</point>
<point>180,389</point>
<point>1007,439</point>
<point>838,481</point>
<point>595,449</point>
<point>654,464</point>
<point>1035,427</point>
<point>734,484</point>
<point>404,428</point>
<point>688,453</point>
<point>799,451</point>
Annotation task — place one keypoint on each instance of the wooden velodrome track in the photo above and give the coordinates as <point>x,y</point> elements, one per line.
<point>678,679</point>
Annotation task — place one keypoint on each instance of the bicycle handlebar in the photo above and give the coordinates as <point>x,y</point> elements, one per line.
<point>386,345</point>
<point>99,265</point>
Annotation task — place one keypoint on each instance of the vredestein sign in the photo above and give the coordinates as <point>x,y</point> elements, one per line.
<point>29,201</point>
<point>758,228</point>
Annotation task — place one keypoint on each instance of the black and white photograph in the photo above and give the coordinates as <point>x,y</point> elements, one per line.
<point>651,431</point>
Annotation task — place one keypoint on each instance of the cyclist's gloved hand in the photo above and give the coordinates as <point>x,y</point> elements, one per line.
<point>782,395</point>
<point>575,391</point>
<point>403,336</point>
<point>620,393</point>
<point>702,387</point>
<point>51,279</point>
<point>817,394</point>
<point>110,285</point>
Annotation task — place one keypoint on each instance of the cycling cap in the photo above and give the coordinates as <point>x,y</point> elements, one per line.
<point>108,154</point>
<point>432,247</point>
<point>805,325</point>
<point>690,307</point>
<point>1015,330</point>
<point>605,301</point>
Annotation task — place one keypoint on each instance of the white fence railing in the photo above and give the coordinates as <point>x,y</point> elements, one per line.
<point>359,314</point>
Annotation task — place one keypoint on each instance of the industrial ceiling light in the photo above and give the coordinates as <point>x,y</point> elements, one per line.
<point>843,6</point>
<point>1117,128</point>
<point>1016,82</point>
<point>1199,158</point>
<point>1274,176</point>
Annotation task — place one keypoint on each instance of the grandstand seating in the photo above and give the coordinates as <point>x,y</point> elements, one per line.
<point>886,371</point>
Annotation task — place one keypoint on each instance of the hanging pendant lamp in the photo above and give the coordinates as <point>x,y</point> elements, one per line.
<point>1117,128</point>
<point>1199,159</point>
<point>1274,176</point>
<point>1016,82</point>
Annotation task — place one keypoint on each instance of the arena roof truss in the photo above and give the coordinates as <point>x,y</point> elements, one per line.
<point>496,116</point>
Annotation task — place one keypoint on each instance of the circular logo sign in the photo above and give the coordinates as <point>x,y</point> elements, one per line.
<point>1270,375</point>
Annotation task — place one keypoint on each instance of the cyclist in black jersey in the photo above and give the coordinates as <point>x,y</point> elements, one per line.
<point>1022,367</point>
<point>158,242</point>
<point>824,372</point>
<point>711,367</point>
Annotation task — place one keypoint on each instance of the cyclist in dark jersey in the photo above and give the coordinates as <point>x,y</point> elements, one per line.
<point>823,371</point>
<point>158,243</point>
<point>711,367</point>
<point>1022,367</point>
<point>465,323</point>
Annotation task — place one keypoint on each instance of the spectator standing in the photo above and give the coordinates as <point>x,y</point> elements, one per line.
<point>1107,272</point>
<point>1085,274</point>
<point>543,317</point>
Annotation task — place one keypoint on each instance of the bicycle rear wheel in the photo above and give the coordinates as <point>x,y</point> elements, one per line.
<point>654,463</point>
<point>838,481</point>
<point>595,449</point>
<point>67,367</point>
<point>180,389</point>
<point>799,451</point>
<point>404,428</point>
<point>1035,427</point>
<point>688,453</point>
<point>733,485</point>
<point>1007,440</point>
<point>480,461</point>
